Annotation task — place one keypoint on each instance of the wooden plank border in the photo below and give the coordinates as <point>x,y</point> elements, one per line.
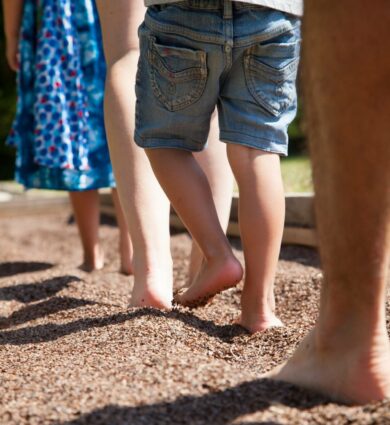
<point>299,224</point>
<point>23,206</point>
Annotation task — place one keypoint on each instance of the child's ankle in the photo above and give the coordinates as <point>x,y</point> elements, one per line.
<point>253,322</point>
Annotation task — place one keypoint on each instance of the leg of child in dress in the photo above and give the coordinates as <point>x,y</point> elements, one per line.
<point>86,211</point>
<point>87,214</point>
<point>144,203</point>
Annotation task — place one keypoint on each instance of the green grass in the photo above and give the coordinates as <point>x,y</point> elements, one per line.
<point>296,172</point>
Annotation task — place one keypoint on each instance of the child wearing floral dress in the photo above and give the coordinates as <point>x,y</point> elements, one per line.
<point>58,131</point>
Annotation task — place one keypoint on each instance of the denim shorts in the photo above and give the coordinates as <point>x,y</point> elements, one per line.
<point>196,55</point>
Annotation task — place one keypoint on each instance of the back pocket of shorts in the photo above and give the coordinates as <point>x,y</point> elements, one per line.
<point>178,75</point>
<point>271,71</point>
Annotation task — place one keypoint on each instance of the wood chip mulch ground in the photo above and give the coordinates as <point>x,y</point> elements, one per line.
<point>72,352</point>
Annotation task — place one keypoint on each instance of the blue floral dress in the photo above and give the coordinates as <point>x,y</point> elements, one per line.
<point>58,129</point>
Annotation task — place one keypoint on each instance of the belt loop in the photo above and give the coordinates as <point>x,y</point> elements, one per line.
<point>227,9</point>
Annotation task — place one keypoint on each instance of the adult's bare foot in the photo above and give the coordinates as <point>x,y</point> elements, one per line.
<point>214,276</point>
<point>349,373</point>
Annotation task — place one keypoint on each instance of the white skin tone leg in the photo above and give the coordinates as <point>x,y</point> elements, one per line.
<point>86,211</point>
<point>261,223</point>
<point>213,161</point>
<point>347,354</point>
<point>87,214</point>
<point>186,186</point>
<point>261,218</point>
<point>125,245</point>
<point>144,203</point>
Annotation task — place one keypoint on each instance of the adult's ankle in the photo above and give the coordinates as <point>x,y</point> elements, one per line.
<point>349,331</point>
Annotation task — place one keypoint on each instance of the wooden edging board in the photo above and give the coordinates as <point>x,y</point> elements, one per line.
<point>21,206</point>
<point>299,209</point>
<point>299,228</point>
<point>291,235</point>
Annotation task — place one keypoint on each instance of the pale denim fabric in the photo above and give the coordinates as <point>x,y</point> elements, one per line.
<point>197,55</point>
<point>290,6</point>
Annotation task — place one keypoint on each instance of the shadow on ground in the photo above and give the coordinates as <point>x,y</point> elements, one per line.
<point>54,331</point>
<point>213,408</point>
<point>42,309</point>
<point>30,292</point>
<point>17,267</point>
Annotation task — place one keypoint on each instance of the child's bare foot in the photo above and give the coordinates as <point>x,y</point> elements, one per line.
<point>152,295</point>
<point>153,289</point>
<point>125,270</point>
<point>149,297</point>
<point>214,276</point>
<point>197,260</point>
<point>257,307</point>
<point>343,370</point>
<point>93,262</point>
<point>258,323</point>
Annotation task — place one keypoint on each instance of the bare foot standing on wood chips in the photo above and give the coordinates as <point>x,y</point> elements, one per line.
<point>347,354</point>
<point>185,71</point>
<point>144,202</point>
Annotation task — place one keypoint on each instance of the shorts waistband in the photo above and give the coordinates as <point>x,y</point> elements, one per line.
<point>218,4</point>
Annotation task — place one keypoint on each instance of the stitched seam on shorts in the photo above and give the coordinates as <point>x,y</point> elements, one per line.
<point>264,139</point>
<point>177,30</point>
<point>259,97</point>
<point>261,147</point>
<point>272,74</point>
<point>250,40</point>
<point>199,77</point>
<point>136,134</point>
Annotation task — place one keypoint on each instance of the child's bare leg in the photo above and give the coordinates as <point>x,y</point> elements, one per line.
<point>86,211</point>
<point>261,217</point>
<point>347,355</point>
<point>125,245</point>
<point>187,187</point>
<point>145,206</point>
<point>215,165</point>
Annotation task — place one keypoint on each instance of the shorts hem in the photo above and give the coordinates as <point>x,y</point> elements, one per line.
<point>260,143</point>
<point>161,143</point>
